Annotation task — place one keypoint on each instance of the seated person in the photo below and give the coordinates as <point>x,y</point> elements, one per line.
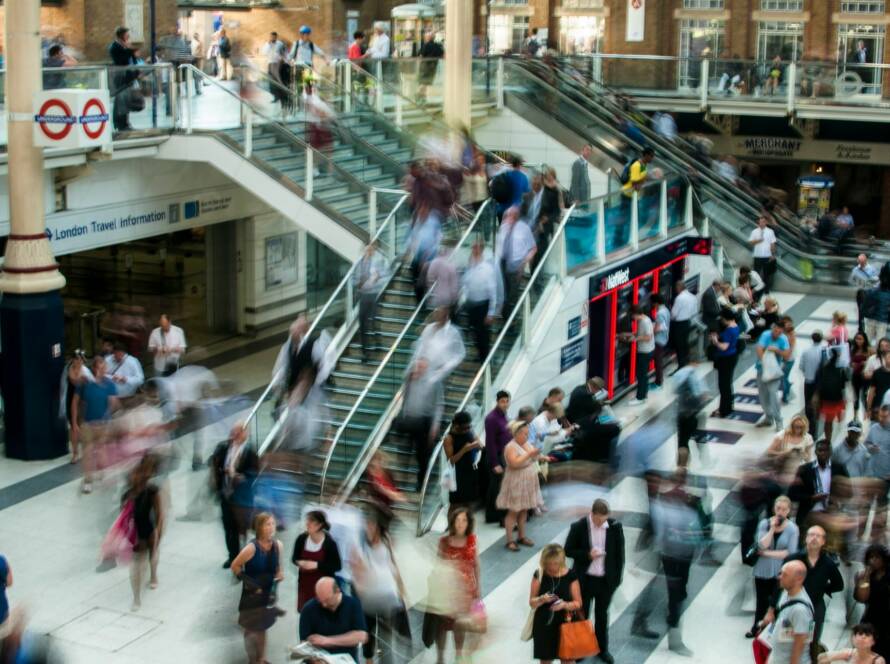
<point>596,436</point>
<point>333,621</point>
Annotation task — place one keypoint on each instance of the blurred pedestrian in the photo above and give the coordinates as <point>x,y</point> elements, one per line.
<point>258,567</point>
<point>431,52</point>
<point>442,280</point>
<point>516,248</point>
<point>5,584</point>
<point>596,545</point>
<point>520,490</point>
<point>316,555</point>
<point>809,364</point>
<point>233,467</point>
<point>772,348</point>
<point>148,519</point>
<point>480,293</point>
<point>860,351</point>
<point>872,588</point>
<point>369,280</point>
<point>819,486</point>
<point>555,592</point>
<point>726,356</point>
<point>379,588</point>
<point>474,189</point>
<point>831,390</point>
<point>691,397</point>
<point>789,449</point>
<point>74,375</point>
<point>99,398</point>
<point>877,442</point>
<point>458,548</point>
<point>383,493</point>
<point>579,191</point>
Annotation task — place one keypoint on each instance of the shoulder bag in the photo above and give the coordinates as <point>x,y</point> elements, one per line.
<point>577,639</point>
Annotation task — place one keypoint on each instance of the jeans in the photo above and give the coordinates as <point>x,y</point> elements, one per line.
<point>660,352</point>
<point>676,572</point>
<point>769,400</point>
<point>786,380</point>
<point>643,374</point>
<point>725,366</point>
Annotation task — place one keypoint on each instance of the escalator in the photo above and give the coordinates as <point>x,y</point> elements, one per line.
<point>558,95</point>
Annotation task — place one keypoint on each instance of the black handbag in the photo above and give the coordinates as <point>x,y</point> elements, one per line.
<point>135,100</point>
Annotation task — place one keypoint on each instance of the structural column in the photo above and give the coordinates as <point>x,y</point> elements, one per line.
<point>31,317</point>
<point>458,62</point>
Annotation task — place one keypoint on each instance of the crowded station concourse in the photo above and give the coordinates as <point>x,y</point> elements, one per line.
<point>360,374</point>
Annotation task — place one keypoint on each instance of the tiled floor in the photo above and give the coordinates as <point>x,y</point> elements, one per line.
<point>52,542</point>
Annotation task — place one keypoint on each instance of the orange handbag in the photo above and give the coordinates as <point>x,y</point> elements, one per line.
<point>577,639</point>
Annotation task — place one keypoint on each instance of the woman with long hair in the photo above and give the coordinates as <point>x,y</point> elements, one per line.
<point>789,449</point>
<point>258,567</point>
<point>860,351</point>
<point>315,555</point>
<point>872,588</point>
<point>148,519</point>
<point>555,591</point>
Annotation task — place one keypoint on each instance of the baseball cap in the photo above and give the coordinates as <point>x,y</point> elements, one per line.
<point>854,426</point>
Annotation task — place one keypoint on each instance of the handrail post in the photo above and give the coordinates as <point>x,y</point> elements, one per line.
<point>601,231</point>
<point>703,86</point>
<point>791,80</point>
<point>499,84</point>
<point>398,110</point>
<point>526,320</point>
<point>720,261</point>
<point>248,132</point>
<point>635,221</point>
<point>562,256</point>
<point>663,210</point>
<point>393,250</point>
<point>173,91</point>
<point>378,73</point>
<point>346,65</point>
<point>689,221</point>
<point>706,227</point>
<point>350,297</point>
<point>310,172</point>
<point>486,387</point>
<point>372,212</point>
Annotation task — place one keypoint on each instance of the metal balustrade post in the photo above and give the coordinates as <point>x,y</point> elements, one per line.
<point>398,110</point>
<point>601,231</point>
<point>372,212</point>
<point>703,86</point>
<point>393,250</point>
<point>499,84</point>
<point>526,320</point>
<point>791,81</point>
<point>706,227</point>
<point>487,396</point>
<point>378,98</point>
<point>350,294</point>
<point>689,220</point>
<point>720,261</point>
<point>347,84</point>
<point>635,221</point>
<point>173,92</point>
<point>663,210</point>
<point>248,132</point>
<point>310,172</point>
<point>562,256</point>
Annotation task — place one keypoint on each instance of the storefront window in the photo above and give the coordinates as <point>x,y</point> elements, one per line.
<point>782,5</point>
<point>580,34</point>
<point>780,38</point>
<point>702,4</point>
<point>698,39</point>
<point>859,45</point>
<point>507,32</point>
<point>862,6</point>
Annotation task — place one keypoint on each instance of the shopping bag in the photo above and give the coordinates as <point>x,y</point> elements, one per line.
<point>526,633</point>
<point>121,537</point>
<point>449,478</point>
<point>761,649</point>
<point>577,639</point>
<point>476,620</point>
<point>770,368</point>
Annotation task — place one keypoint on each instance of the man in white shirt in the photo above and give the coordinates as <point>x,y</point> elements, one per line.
<point>763,244</point>
<point>545,430</point>
<point>515,247</point>
<point>369,279</point>
<point>274,52</point>
<point>379,47</point>
<point>480,293</point>
<point>167,343</point>
<point>645,338</point>
<point>124,370</point>
<point>683,310</point>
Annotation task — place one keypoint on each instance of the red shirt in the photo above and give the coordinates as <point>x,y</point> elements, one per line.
<point>354,52</point>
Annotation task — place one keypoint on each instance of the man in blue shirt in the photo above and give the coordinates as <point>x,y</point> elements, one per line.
<point>519,185</point>
<point>333,621</point>
<point>99,397</point>
<point>771,341</point>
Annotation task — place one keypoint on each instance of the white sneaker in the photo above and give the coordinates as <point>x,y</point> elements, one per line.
<point>87,487</point>
<point>636,402</point>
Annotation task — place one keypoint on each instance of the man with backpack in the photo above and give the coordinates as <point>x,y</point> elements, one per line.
<point>792,629</point>
<point>635,172</point>
<point>301,56</point>
<point>509,186</point>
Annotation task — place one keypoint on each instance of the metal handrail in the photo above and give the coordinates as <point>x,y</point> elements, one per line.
<point>375,438</point>
<point>480,374</point>
<point>344,282</point>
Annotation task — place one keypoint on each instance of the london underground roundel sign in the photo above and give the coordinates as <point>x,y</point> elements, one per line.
<point>93,118</point>
<point>55,119</point>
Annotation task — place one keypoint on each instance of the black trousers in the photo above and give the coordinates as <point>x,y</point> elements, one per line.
<point>367,312</point>
<point>725,369</point>
<point>860,300</point>
<point>418,430</point>
<point>232,527</point>
<point>477,312</point>
<point>687,425</point>
<point>643,375</point>
<point>595,589</point>
<point>763,590</point>
<point>679,337</point>
<point>809,391</point>
<point>492,513</point>
<point>676,572</point>
<point>764,267</point>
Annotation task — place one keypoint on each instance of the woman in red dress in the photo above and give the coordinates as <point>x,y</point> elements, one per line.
<point>458,547</point>
<point>316,554</point>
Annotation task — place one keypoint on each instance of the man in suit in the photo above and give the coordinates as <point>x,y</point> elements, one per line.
<point>596,544</point>
<point>233,467</point>
<point>580,187</point>
<point>817,484</point>
<point>710,307</point>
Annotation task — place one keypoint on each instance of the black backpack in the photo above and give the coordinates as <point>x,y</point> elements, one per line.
<point>501,189</point>
<point>624,178</point>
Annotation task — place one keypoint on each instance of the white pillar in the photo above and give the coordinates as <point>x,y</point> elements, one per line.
<point>458,62</point>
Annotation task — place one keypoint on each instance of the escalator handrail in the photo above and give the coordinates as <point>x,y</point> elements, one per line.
<point>373,379</point>
<point>377,435</point>
<point>383,85</point>
<point>480,373</point>
<point>344,282</point>
<point>383,156</point>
